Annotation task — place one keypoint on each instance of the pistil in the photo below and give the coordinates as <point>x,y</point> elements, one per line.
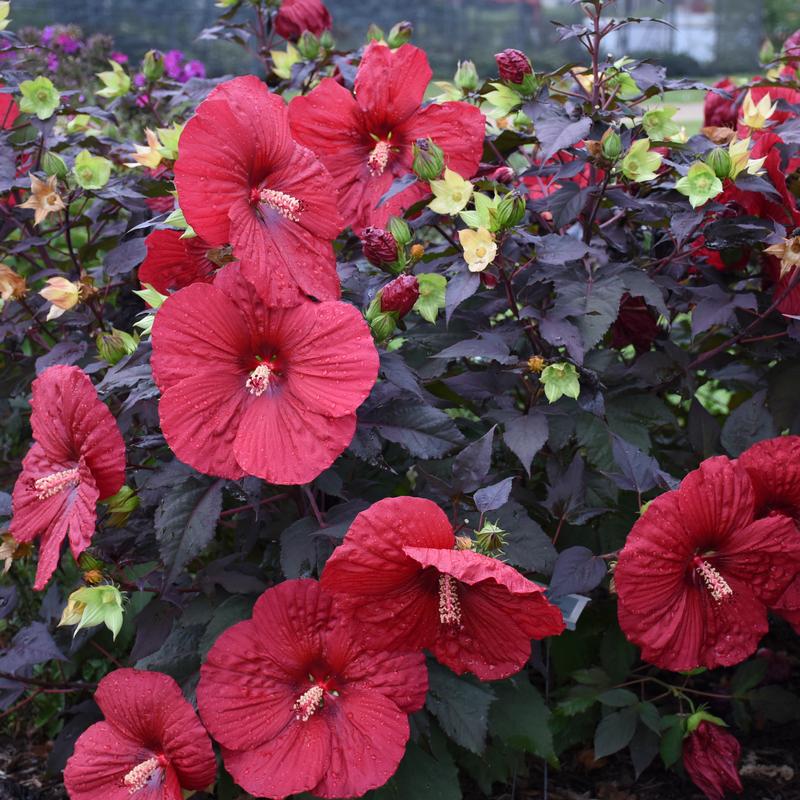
<point>138,777</point>
<point>286,205</point>
<point>56,482</point>
<point>378,159</point>
<point>309,703</point>
<point>714,582</point>
<point>258,380</point>
<point>449,606</point>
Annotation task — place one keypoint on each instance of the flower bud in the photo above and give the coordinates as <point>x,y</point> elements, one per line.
<point>490,539</point>
<point>400,231</point>
<point>611,145</point>
<point>510,211</point>
<point>326,40</point>
<point>711,758</point>
<point>121,506</point>
<point>379,246</point>
<point>513,66</point>
<point>720,161</point>
<point>400,34</point>
<point>153,65</point>
<point>374,33</point>
<point>53,164</point>
<point>766,54</point>
<point>501,175</point>
<point>400,295</point>
<point>417,251</point>
<point>428,159</point>
<point>114,346</point>
<point>536,364</point>
<point>12,286</point>
<point>308,45</point>
<point>466,77</point>
<point>383,325</point>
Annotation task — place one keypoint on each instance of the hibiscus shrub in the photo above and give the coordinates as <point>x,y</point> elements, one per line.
<point>368,435</point>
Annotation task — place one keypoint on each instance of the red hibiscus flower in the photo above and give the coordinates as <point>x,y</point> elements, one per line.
<point>150,746</point>
<point>636,324</point>
<point>299,705</point>
<point>774,469</point>
<point>719,111</point>
<point>9,110</point>
<point>366,140</point>
<point>398,573</point>
<point>698,571</point>
<point>242,180</point>
<point>252,389</point>
<point>711,757</point>
<point>77,458</point>
<point>296,16</point>
<point>173,263</point>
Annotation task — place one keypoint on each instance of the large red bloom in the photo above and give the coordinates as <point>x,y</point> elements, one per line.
<point>698,571</point>
<point>298,704</point>
<point>774,469</point>
<point>251,389</point>
<point>172,263</point>
<point>242,180</point>
<point>398,573</point>
<point>77,458</point>
<point>150,746</point>
<point>296,16</point>
<point>366,140</point>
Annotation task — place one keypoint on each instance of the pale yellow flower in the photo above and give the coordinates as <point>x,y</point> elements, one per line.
<point>451,194</point>
<point>44,199</point>
<point>62,293</point>
<point>148,155</point>
<point>12,286</point>
<point>755,115</point>
<point>479,246</point>
<point>739,151</point>
<point>788,251</point>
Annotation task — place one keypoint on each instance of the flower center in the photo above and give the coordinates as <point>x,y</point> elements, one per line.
<point>309,703</point>
<point>378,159</point>
<point>449,606</point>
<point>714,582</point>
<point>258,380</point>
<point>139,776</point>
<point>56,482</point>
<point>480,251</point>
<point>286,205</point>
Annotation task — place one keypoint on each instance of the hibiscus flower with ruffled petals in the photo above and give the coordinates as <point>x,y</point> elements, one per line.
<point>77,458</point>
<point>399,574</point>
<point>241,179</point>
<point>298,704</point>
<point>172,262</point>
<point>365,139</point>
<point>150,746</point>
<point>774,469</point>
<point>698,571</point>
<point>252,389</point>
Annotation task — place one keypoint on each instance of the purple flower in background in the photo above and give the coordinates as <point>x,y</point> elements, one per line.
<point>139,80</point>
<point>120,58</point>
<point>173,63</point>
<point>47,34</point>
<point>52,62</point>
<point>67,43</point>
<point>194,69</point>
<point>142,100</point>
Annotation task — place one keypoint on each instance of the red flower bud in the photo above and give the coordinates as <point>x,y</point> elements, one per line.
<point>718,111</point>
<point>296,16</point>
<point>502,175</point>
<point>379,246</point>
<point>636,324</point>
<point>513,65</point>
<point>791,48</point>
<point>400,295</point>
<point>711,758</point>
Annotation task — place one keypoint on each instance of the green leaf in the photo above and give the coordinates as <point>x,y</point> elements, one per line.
<point>432,288</point>
<point>185,521</point>
<point>521,718</point>
<point>618,698</point>
<point>461,705</point>
<point>420,776</point>
<point>776,704</point>
<point>649,715</point>
<point>672,731</point>
<point>748,676</point>
<point>178,655</point>
<point>230,611</point>
<point>614,732</point>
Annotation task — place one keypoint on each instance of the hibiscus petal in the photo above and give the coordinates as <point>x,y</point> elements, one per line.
<point>245,695</point>
<point>774,469</point>
<point>368,735</point>
<point>291,763</point>
<point>198,330</point>
<point>283,443</point>
<point>402,677</point>
<point>237,132</point>
<point>173,263</point>
<point>390,84</point>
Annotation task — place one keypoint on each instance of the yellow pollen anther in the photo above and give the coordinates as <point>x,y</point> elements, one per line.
<point>309,703</point>
<point>258,380</point>
<point>286,205</point>
<point>449,606</point>
<point>714,582</point>
<point>56,482</point>
<point>141,774</point>
<point>378,159</point>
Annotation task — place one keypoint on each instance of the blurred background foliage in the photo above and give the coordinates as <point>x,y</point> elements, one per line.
<point>709,37</point>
